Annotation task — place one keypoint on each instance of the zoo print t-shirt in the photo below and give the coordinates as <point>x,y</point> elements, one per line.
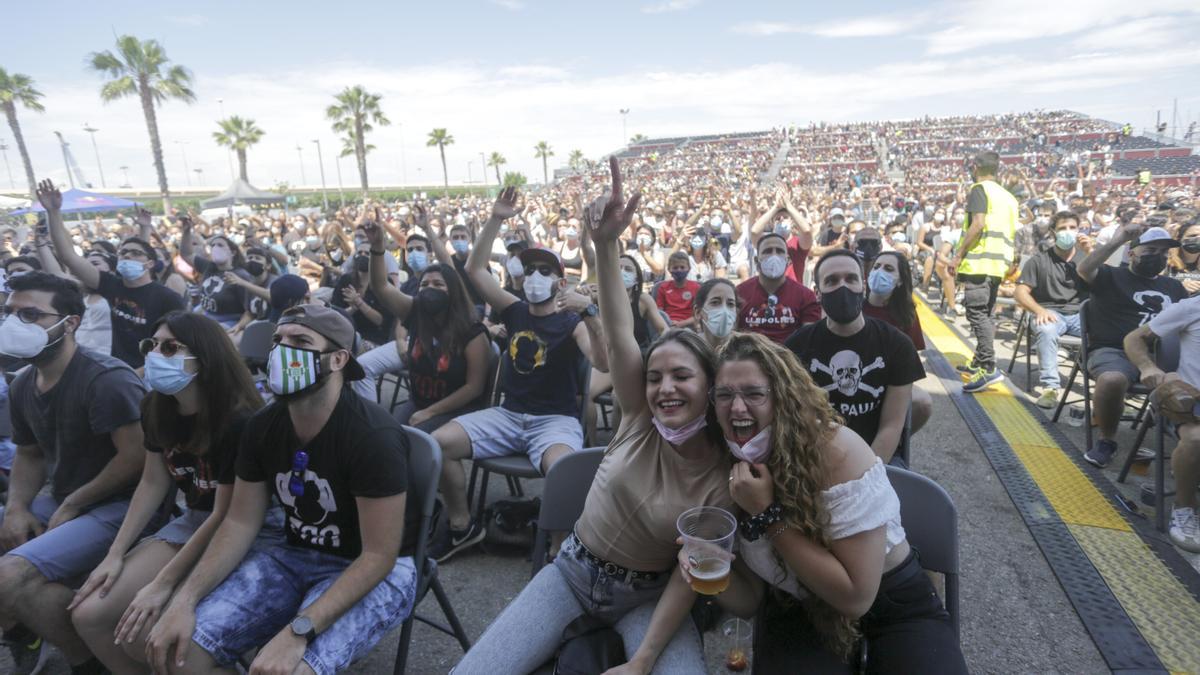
<point>1121,301</point>
<point>216,295</point>
<point>857,370</point>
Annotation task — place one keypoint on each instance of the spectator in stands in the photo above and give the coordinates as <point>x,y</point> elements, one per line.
<point>256,298</point>
<point>983,258</point>
<point>353,293</point>
<point>647,253</point>
<point>75,423</point>
<point>338,465</point>
<point>866,366</point>
<point>771,303</point>
<point>550,337</point>
<point>1185,261</point>
<point>416,259</point>
<point>22,264</point>
<point>889,299</point>
<point>705,261</point>
<point>667,446</point>
<point>448,351</point>
<point>192,421</point>
<point>1126,297</point>
<point>137,301</point>
<point>676,296</point>
<point>220,300</point>
<point>1181,320</point>
<point>791,223</point>
<point>1050,291</point>
<point>716,311</point>
<point>948,236</point>
<point>822,525</point>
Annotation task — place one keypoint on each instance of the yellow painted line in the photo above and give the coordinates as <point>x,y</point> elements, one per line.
<point>1161,607</point>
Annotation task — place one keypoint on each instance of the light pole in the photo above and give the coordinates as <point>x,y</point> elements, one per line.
<point>199,175</point>
<point>624,129</point>
<point>469,165</point>
<point>228,151</point>
<point>92,131</point>
<point>125,170</point>
<point>187,173</point>
<point>66,162</point>
<point>483,168</point>
<point>403,166</point>
<point>4,151</point>
<point>321,165</point>
<point>341,195</point>
<point>300,153</point>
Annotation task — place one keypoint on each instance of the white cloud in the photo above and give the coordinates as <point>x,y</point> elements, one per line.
<point>532,72</point>
<point>669,6</point>
<point>510,5</point>
<point>191,20</point>
<point>878,26</point>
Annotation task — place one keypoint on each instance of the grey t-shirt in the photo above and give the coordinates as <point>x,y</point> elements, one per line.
<point>72,423</point>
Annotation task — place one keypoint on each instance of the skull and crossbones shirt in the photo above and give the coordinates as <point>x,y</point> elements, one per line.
<point>857,370</point>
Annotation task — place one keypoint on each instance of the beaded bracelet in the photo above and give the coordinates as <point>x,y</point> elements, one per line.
<point>756,526</point>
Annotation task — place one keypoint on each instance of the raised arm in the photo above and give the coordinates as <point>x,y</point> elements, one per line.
<point>803,230</point>
<point>607,218</point>
<point>477,264</point>
<point>392,298</point>
<point>51,200</point>
<point>187,251</point>
<point>142,217</point>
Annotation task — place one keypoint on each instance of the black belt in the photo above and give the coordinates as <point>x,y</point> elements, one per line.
<point>614,570</point>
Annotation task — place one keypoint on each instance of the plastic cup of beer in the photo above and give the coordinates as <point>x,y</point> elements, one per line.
<point>738,632</point>
<point>708,544</point>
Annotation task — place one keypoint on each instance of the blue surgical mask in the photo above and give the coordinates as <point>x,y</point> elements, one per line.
<point>1065,239</point>
<point>130,270</point>
<point>881,282</point>
<point>418,260</point>
<point>166,375</point>
<point>461,246</point>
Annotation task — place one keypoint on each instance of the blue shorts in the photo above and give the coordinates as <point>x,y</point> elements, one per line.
<point>497,432</point>
<point>75,547</point>
<point>270,587</point>
<point>180,529</point>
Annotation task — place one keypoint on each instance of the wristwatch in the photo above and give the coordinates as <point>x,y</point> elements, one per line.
<point>302,626</point>
<point>590,310</point>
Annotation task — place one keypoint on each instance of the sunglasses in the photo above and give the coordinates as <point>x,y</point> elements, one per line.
<point>299,465</point>
<point>544,270</point>
<point>168,347</point>
<point>26,314</point>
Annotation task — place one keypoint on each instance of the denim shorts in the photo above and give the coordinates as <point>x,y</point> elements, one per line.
<point>75,547</point>
<point>180,529</point>
<point>273,584</point>
<point>497,432</point>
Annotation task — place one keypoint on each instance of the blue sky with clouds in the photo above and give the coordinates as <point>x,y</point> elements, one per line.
<point>504,74</point>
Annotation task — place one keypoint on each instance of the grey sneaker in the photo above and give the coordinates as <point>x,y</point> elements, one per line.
<point>1101,453</point>
<point>461,540</point>
<point>1185,529</point>
<point>1049,398</point>
<point>28,659</point>
<point>982,380</point>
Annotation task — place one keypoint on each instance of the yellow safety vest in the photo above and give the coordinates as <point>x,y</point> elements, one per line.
<point>994,252</point>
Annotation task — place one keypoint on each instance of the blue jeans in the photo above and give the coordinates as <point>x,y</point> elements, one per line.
<point>270,587</point>
<point>1047,345</point>
<point>527,633</point>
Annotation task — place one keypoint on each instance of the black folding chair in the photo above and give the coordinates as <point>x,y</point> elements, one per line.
<point>256,344</point>
<point>424,472</point>
<point>563,496</point>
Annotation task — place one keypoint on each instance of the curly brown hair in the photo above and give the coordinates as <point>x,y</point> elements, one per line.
<point>798,465</point>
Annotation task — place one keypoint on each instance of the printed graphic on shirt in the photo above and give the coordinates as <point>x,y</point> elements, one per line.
<point>209,289</point>
<point>770,314</point>
<point>259,308</point>
<point>129,310</point>
<point>846,371</point>
<point>527,352</point>
<point>1150,304</point>
<point>308,513</point>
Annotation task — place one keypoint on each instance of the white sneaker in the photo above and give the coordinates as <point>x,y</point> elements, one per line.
<point>1185,529</point>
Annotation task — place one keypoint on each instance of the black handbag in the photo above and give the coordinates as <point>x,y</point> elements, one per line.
<point>589,647</point>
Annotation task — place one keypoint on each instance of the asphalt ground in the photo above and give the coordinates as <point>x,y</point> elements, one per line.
<point>1015,616</point>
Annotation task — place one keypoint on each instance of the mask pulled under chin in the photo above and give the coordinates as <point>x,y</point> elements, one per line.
<point>683,433</point>
<point>756,450</point>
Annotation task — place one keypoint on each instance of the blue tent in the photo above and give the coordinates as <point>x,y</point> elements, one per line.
<point>81,201</point>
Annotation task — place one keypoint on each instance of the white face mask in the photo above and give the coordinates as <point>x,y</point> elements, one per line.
<point>538,288</point>
<point>773,266</point>
<point>515,268</point>
<point>24,340</point>
<point>719,321</point>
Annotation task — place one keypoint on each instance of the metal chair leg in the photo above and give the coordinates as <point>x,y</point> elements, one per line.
<point>451,617</point>
<point>1062,401</point>
<point>1087,410</point>
<point>1160,478</point>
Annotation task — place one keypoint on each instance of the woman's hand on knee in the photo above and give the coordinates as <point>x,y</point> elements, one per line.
<point>100,581</point>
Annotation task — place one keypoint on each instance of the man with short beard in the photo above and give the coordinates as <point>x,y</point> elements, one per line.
<point>76,423</point>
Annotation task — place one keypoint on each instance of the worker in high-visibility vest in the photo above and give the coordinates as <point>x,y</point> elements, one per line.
<point>985,254</point>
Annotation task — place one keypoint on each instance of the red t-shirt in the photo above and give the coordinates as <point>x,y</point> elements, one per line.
<point>914,332</point>
<point>776,316</point>
<point>799,258</point>
<point>677,301</point>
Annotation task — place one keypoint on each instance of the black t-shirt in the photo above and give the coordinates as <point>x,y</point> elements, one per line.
<point>134,313</point>
<point>977,202</point>
<point>72,424</point>
<point>433,377</point>
<point>460,266</point>
<point>378,334</point>
<point>1121,301</point>
<point>857,370</point>
<point>1053,282</point>
<point>259,307</point>
<point>197,476</point>
<point>216,295</point>
<point>360,452</point>
<point>540,369</point>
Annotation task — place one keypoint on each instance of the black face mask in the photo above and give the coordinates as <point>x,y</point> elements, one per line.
<point>362,263</point>
<point>255,268</point>
<point>869,248</point>
<point>433,301</point>
<point>1149,264</point>
<point>842,305</point>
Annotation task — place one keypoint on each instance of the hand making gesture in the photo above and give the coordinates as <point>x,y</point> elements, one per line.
<point>49,196</point>
<point>615,214</point>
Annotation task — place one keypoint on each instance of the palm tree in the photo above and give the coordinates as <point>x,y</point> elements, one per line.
<point>637,138</point>
<point>238,134</point>
<point>543,152</point>
<point>441,138</point>
<point>496,161</point>
<point>14,89</point>
<point>349,145</point>
<point>575,160</point>
<point>514,179</point>
<point>353,114</point>
<point>142,69</point>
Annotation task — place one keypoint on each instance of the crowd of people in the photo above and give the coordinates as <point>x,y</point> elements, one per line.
<point>760,342</point>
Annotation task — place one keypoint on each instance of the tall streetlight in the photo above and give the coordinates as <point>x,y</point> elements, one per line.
<point>228,151</point>
<point>624,128</point>
<point>187,173</point>
<point>300,154</point>
<point>469,165</point>
<point>92,132</point>
<point>66,162</point>
<point>403,167</point>
<point>199,175</point>
<point>483,163</point>
<point>4,151</point>
<point>341,194</point>
<point>125,170</point>
<point>321,165</point>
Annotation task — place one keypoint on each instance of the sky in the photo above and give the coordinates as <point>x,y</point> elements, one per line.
<point>502,75</point>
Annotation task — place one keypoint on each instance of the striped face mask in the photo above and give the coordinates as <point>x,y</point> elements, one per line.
<point>292,369</point>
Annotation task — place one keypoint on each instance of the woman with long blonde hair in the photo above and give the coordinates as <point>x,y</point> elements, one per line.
<point>821,527</point>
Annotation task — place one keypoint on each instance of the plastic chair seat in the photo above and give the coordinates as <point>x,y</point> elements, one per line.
<point>510,465</point>
<point>1070,342</point>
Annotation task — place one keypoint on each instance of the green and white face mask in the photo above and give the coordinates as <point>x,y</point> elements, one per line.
<point>292,369</point>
